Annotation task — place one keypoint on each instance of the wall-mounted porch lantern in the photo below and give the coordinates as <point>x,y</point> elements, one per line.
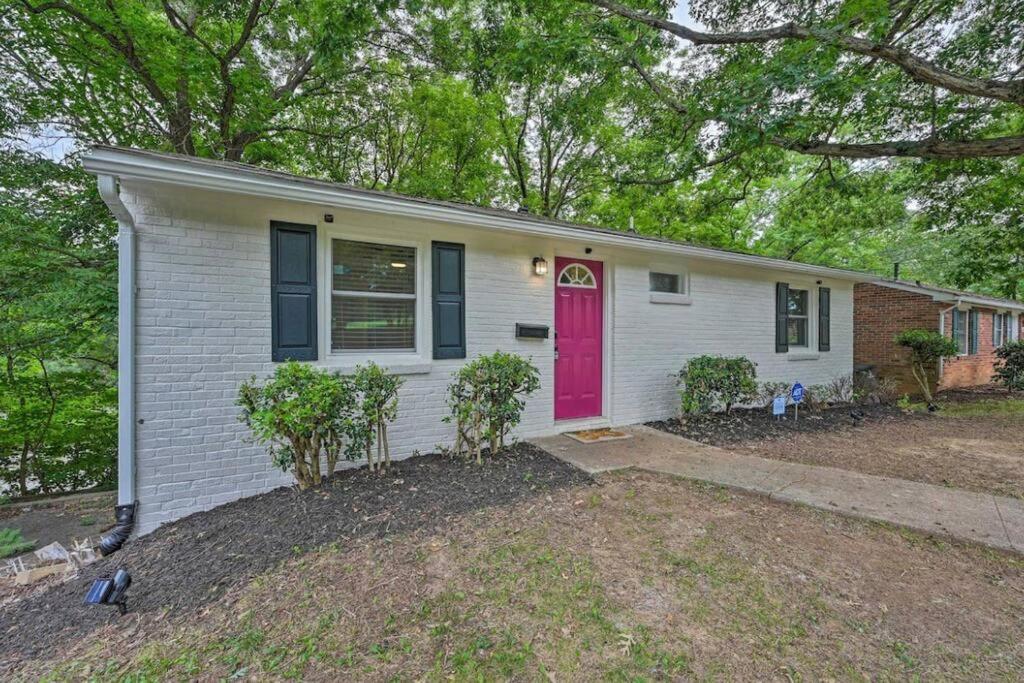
<point>540,266</point>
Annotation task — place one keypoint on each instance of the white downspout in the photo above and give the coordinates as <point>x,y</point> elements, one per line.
<point>111,194</point>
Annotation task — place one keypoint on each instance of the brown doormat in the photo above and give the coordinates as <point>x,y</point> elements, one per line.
<point>598,435</point>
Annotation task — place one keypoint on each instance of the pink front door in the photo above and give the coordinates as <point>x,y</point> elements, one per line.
<point>578,331</point>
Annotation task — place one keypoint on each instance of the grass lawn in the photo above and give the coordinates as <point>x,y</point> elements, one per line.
<point>641,578</point>
<point>990,407</point>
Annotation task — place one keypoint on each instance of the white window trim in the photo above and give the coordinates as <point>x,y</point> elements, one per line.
<point>967,332</point>
<point>567,266</point>
<point>401,361</point>
<point>681,298</point>
<point>809,352</point>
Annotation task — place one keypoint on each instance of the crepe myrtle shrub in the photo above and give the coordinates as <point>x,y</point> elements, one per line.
<point>767,392</point>
<point>1009,369</point>
<point>377,391</point>
<point>303,414</point>
<point>706,382</point>
<point>926,348</point>
<point>486,398</point>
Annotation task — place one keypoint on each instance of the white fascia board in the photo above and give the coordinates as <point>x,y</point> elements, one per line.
<point>130,166</point>
<point>948,297</point>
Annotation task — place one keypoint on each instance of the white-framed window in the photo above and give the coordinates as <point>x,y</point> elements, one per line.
<point>667,282</point>
<point>960,332</point>
<point>577,275</point>
<point>1000,329</point>
<point>373,296</point>
<point>798,323</point>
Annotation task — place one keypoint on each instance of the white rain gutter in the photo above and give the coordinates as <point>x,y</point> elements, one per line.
<point>190,173</point>
<point>111,194</point>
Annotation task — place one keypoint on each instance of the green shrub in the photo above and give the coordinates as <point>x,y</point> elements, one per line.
<point>378,405</point>
<point>926,347</point>
<point>487,397</point>
<point>1010,366</point>
<point>707,382</point>
<point>867,388</point>
<point>769,391</point>
<point>13,543</point>
<point>302,414</point>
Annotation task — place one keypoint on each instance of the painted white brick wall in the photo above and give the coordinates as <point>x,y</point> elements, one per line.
<point>203,311</point>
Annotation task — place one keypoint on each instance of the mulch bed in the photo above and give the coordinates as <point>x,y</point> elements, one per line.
<point>719,429</point>
<point>189,563</point>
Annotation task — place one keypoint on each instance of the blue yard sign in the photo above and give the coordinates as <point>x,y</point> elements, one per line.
<point>797,393</point>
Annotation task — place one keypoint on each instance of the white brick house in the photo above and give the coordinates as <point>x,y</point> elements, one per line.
<point>197,316</point>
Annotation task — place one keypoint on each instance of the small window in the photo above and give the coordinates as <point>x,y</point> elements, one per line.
<point>669,283</point>
<point>797,326</point>
<point>577,275</point>
<point>999,329</point>
<point>373,296</point>
<point>960,331</point>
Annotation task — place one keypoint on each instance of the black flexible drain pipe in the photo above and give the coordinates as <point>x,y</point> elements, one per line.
<point>125,516</point>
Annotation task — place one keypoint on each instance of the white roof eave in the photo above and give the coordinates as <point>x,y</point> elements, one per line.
<point>140,166</point>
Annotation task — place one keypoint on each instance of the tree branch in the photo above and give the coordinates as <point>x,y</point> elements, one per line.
<point>917,68</point>
<point>926,149</point>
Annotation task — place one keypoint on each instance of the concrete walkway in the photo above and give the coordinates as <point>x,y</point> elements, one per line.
<point>979,517</point>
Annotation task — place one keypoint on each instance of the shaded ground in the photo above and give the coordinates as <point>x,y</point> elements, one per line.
<point>190,563</point>
<point>974,442</point>
<point>61,519</point>
<point>644,577</point>
<point>976,446</point>
<point>741,426</point>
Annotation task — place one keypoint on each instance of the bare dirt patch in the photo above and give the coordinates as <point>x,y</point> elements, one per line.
<point>644,577</point>
<point>190,563</point>
<point>979,453</point>
<point>974,442</point>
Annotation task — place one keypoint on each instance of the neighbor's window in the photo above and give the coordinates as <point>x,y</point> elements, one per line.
<point>797,315</point>
<point>373,296</point>
<point>671,283</point>
<point>999,329</point>
<point>960,331</point>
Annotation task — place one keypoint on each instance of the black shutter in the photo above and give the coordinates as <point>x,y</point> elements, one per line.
<point>448,263</point>
<point>293,291</point>
<point>781,317</point>
<point>824,318</point>
<point>973,332</point>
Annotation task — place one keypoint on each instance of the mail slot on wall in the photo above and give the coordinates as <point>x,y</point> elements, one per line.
<point>524,331</point>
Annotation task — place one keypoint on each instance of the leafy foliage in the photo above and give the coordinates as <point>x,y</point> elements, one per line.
<point>58,398</point>
<point>13,543</point>
<point>926,348</point>
<point>377,396</point>
<point>302,415</point>
<point>707,382</point>
<point>487,398</point>
<point>1010,367</point>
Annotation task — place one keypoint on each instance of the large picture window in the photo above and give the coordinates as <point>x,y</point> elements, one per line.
<point>797,326</point>
<point>373,296</point>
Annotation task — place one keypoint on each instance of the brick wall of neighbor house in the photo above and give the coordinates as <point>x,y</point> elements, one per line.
<point>974,369</point>
<point>879,314</point>
<point>203,314</point>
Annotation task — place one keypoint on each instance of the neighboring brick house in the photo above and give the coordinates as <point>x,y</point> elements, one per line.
<point>980,324</point>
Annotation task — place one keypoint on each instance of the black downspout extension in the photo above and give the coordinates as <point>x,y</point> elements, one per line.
<point>125,516</point>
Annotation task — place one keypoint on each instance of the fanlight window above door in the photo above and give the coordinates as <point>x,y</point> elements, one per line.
<point>577,275</point>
